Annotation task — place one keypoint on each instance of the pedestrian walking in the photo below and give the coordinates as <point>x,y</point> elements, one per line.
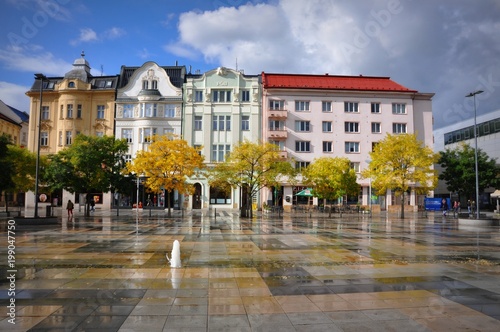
<point>70,206</point>
<point>444,206</point>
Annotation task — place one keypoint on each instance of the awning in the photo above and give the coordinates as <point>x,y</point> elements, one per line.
<point>495,194</point>
<point>305,192</point>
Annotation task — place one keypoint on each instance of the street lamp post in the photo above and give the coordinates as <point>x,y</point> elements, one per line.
<point>473,94</point>
<point>42,78</point>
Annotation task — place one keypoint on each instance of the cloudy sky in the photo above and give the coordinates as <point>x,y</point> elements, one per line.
<point>447,47</point>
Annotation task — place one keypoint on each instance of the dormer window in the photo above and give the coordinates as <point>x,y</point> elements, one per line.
<point>154,84</point>
<point>145,85</point>
<point>71,84</point>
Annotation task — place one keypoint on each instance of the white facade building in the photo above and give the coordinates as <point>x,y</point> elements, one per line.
<point>148,102</point>
<point>310,116</point>
<point>222,107</point>
<point>488,140</point>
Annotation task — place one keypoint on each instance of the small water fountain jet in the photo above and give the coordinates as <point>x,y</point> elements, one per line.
<point>175,261</point>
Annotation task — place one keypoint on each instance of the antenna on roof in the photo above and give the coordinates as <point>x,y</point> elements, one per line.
<point>236,64</point>
<point>102,70</point>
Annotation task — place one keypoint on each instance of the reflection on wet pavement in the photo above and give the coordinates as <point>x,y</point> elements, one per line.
<point>292,272</point>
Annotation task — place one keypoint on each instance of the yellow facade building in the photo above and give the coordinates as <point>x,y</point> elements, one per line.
<point>78,103</point>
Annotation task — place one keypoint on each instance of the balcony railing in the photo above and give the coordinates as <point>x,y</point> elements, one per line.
<point>277,134</point>
<point>277,113</point>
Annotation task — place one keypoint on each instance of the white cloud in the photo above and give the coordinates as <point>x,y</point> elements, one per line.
<point>14,95</point>
<point>428,46</point>
<point>89,35</point>
<point>113,33</point>
<point>34,62</point>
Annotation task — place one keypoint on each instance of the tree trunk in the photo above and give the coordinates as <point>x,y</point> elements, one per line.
<point>403,205</point>
<point>169,214</point>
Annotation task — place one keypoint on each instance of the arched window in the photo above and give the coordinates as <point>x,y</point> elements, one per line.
<point>71,84</point>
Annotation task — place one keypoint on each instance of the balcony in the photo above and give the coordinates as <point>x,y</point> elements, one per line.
<point>283,154</point>
<point>277,134</point>
<point>278,114</point>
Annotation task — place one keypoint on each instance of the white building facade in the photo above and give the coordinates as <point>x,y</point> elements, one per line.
<point>148,102</point>
<point>311,116</point>
<point>222,107</point>
<point>488,141</point>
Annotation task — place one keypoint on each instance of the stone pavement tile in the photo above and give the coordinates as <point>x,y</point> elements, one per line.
<point>228,322</point>
<point>37,310</point>
<point>261,305</point>
<point>269,322</point>
<point>114,310</point>
<point>185,310</point>
<point>151,310</point>
<point>101,323</point>
<point>309,318</point>
<point>22,323</point>
<point>143,323</point>
<point>187,322</point>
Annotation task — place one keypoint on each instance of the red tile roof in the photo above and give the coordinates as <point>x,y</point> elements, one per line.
<point>331,82</point>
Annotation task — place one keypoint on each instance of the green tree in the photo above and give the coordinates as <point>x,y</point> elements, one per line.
<point>7,167</point>
<point>252,166</point>
<point>331,178</point>
<point>167,164</point>
<point>90,163</point>
<point>399,162</point>
<point>460,173</point>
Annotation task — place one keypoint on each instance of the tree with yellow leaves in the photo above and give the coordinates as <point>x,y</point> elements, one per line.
<point>399,162</point>
<point>331,178</point>
<point>167,164</point>
<point>252,166</point>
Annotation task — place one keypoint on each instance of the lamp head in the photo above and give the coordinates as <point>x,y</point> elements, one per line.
<point>474,93</point>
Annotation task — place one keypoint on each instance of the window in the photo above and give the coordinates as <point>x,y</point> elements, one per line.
<point>351,147</point>
<point>198,96</point>
<point>109,84</point>
<point>354,166</point>
<point>69,137</point>
<point>168,131</point>
<point>128,158</point>
<point>154,84</point>
<point>145,85</point>
<point>127,134</point>
<point>219,151</point>
<point>45,113</point>
<point>376,128</point>
<point>375,108</point>
<point>300,165</point>
<point>128,111</point>
<point>170,111</point>
<point>219,196</point>
<point>398,109</point>
<point>71,84</point>
<point>198,147</point>
<point>351,127</point>
<point>302,146</point>
<point>198,122</point>
<point>302,126</point>
<point>327,126</point>
<point>301,106</point>
<point>146,134</point>
<point>69,110</point>
<point>245,95</point>
<point>245,123</point>
<point>61,113</point>
<point>221,123</point>
<point>79,111</point>
<point>99,133</point>
<point>221,96</point>
<point>44,138</point>
<point>100,111</point>
<point>350,107</point>
<point>148,110</point>
<point>276,105</point>
<point>327,146</point>
<point>279,144</point>
<point>399,128</point>
<point>60,138</point>
<point>276,125</point>
<point>326,106</point>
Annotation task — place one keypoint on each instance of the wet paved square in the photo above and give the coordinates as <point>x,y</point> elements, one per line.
<point>296,272</point>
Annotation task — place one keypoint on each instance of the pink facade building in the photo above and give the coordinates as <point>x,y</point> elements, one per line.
<point>310,116</point>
